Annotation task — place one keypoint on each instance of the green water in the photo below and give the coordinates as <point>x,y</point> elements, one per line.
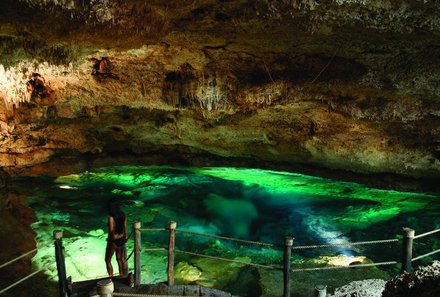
<point>250,204</point>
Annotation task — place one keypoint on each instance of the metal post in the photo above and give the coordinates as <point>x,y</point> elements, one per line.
<point>288,243</point>
<point>171,243</point>
<point>61,265</point>
<point>408,238</point>
<point>320,290</point>
<point>137,253</point>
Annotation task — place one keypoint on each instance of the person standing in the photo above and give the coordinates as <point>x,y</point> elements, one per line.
<point>117,237</point>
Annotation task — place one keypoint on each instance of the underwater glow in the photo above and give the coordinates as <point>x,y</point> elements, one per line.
<point>259,205</point>
<point>342,260</point>
<point>67,187</point>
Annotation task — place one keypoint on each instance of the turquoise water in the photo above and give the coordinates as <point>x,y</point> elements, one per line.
<point>249,204</point>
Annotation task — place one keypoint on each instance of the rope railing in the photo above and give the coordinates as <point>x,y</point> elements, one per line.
<point>129,236</point>
<point>345,267</point>
<point>227,238</point>
<point>25,278</point>
<point>228,260</point>
<point>427,233</point>
<point>347,244</point>
<point>19,257</point>
<point>153,229</point>
<point>154,250</point>
<point>25,254</point>
<point>426,255</point>
<point>287,249</point>
<point>129,256</point>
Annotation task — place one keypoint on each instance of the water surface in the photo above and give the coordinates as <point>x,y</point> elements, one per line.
<point>251,204</point>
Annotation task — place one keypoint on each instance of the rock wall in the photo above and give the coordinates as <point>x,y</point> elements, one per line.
<point>338,85</point>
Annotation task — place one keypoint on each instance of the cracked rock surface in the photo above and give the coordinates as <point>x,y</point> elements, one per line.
<point>351,86</point>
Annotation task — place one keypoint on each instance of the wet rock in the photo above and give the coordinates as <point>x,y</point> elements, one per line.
<point>365,288</point>
<point>423,282</point>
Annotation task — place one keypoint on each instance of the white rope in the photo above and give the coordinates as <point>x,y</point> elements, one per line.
<point>426,255</point>
<point>153,229</point>
<point>226,238</point>
<point>303,247</point>
<point>154,250</point>
<point>227,260</point>
<point>25,278</point>
<point>323,69</point>
<point>344,267</point>
<point>18,258</point>
<point>426,234</point>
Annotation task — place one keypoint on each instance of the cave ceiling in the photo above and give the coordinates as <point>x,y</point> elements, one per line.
<point>349,85</point>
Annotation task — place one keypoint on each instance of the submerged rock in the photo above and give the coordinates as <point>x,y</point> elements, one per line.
<point>186,273</point>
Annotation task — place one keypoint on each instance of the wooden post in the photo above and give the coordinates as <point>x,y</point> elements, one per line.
<point>105,288</point>
<point>61,264</point>
<point>288,243</point>
<point>320,291</point>
<point>408,238</point>
<point>171,243</point>
<point>137,253</point>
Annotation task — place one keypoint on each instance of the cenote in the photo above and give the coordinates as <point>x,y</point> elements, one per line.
<point>250,204</point>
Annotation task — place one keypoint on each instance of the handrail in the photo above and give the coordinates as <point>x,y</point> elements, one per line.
<point>407,242</point>
<point>345,267</point>
<point>425,255</point>
<point>18,258</point>
<point>153,229</point>
<point>303,247</point>
<point>426,234</point>
<point>228,260</point>
<point>24,255</point>
<point>25,278</point>
<point>154,250</point>
<point>227,238</point>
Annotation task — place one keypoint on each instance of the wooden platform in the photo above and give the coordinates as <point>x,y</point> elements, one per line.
<point>87,288</point>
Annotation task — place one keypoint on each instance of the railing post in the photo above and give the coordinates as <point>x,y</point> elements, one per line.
<point>137,253</point>
<point>61,264</point>
<point>288,243</point>
<point>171,242</point>
<point>320,291</point>
<point>408,238</point>
<point>105,288</point>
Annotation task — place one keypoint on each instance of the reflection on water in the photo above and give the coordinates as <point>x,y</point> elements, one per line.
<point>251,204</point>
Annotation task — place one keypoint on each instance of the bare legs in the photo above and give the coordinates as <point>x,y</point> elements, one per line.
<point>121,255</point>
<point>109,251</point>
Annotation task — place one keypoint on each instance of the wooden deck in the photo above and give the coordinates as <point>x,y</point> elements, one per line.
<point>87,288</point>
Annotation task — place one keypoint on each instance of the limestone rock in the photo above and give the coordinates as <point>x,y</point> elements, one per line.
<point>365,288</point>
<point>423,282</point>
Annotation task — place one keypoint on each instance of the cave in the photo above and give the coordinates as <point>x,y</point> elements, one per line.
<point>253,120</point>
